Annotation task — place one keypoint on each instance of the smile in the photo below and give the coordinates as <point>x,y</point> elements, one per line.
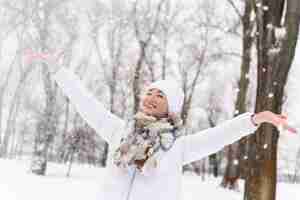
<point>150,106</point>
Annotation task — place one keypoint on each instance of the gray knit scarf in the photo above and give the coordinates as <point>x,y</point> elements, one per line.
<point>150,136</point>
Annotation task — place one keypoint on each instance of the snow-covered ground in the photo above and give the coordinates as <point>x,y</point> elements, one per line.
<point>16,183</point>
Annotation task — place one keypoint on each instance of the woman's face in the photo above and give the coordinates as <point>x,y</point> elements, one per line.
<point>154,103</point>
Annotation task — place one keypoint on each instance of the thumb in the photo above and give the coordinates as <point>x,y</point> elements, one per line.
<point>283,116</point>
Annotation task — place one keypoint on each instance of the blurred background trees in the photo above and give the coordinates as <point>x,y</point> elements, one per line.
<point>229,57</point>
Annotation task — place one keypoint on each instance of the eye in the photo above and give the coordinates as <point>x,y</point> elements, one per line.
<point>160,96</point>
<point>148,93</point>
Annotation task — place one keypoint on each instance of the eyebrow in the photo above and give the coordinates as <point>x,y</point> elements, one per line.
<point>160,92</point>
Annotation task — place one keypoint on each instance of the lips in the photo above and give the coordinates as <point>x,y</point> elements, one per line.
<point>150,105</point>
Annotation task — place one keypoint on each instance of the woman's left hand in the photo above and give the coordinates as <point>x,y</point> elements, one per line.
<point>278,120</point>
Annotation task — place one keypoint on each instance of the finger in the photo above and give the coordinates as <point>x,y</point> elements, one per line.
<point>284,126</point>
<point>283,116</point>
<point>281,120</point>
<point>277,121</point>
<point>292,130</point>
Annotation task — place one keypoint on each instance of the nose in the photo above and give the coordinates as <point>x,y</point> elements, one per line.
<point>152,99</point>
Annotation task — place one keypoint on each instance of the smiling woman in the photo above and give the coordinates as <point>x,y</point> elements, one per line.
<point>154,103</point>
<point>146,162</point>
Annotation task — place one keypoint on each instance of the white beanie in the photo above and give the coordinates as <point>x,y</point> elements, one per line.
<point>173,92</point>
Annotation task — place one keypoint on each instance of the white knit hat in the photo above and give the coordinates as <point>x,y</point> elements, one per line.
<point>173,92</point>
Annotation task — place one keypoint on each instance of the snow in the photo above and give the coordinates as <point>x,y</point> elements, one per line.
<point>247,75</point>
<point>252,15</point>
<point>280,128</point>
<point>280,33</point>
<point>17,183</point>
<point>41,15</point>
<point>265,8</point>
<point>274,51</point>
<point>237,90</point>
<point>269,26</point>
<point>258,5</point>
<point>270,95</point>
<point>235,162</point>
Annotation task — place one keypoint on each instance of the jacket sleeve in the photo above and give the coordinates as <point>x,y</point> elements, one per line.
<point>107,125</point>
<point>211,140</point>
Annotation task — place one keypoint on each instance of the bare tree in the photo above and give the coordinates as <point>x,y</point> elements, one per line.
<point>236,151</point>
<point>14,19</point>
<point>145,25</point>
<point>196,56</point>
<point>214,111</point>
<point>277,34</point>
<point>47,126</point>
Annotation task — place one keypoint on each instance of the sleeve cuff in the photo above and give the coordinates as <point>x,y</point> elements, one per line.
<point>249,121</point>
<point>251,118</point>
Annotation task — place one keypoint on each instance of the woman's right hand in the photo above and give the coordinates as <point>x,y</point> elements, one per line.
<point>51,60</point>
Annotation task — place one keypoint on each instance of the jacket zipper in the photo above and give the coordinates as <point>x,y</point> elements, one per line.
<point>131,184</point>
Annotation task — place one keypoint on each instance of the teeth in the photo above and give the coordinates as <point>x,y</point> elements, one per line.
<point>151,106</point>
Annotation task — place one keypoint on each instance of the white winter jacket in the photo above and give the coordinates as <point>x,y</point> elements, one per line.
<point>163,183</point>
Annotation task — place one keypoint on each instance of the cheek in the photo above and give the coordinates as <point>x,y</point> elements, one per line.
<point>144,99</point>
<point>166,105</point>
<point>163,105</point>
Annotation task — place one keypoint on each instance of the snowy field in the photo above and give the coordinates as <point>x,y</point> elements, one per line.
<point>16,183</point>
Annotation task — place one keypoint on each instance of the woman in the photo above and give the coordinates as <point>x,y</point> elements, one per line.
<point>145,158</point>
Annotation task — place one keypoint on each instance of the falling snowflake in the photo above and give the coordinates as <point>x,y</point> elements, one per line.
<point>236,112</point>
<point>270,95</point>
<point>41,14</point>
<point>280,128</point>
<point>275,83</point>
<point>245,157</point>
<point>274,51</point>
<point>265,146</point>
<point>269,26</point>
<point>264,69</point>
<point>235,162</point>
<point>280,33</point>
<point>252,16</point>
<point>265,8</point>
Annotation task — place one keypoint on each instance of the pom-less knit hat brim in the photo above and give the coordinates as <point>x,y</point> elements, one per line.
<point>173,92</point>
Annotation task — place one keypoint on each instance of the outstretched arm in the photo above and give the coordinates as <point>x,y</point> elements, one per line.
<point>106,124</point>
<point>209,141</point>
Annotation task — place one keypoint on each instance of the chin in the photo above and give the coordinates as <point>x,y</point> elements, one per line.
<point>147,111</point>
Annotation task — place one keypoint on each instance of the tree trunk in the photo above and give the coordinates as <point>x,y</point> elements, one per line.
<point>70,162</point>
<point>275,55</point>
<point>144,39</point>
<point>46,128</point>
<point>233,170</point>
<point>12,112</point>
<point>213,162</point>
<point>137,76</point>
